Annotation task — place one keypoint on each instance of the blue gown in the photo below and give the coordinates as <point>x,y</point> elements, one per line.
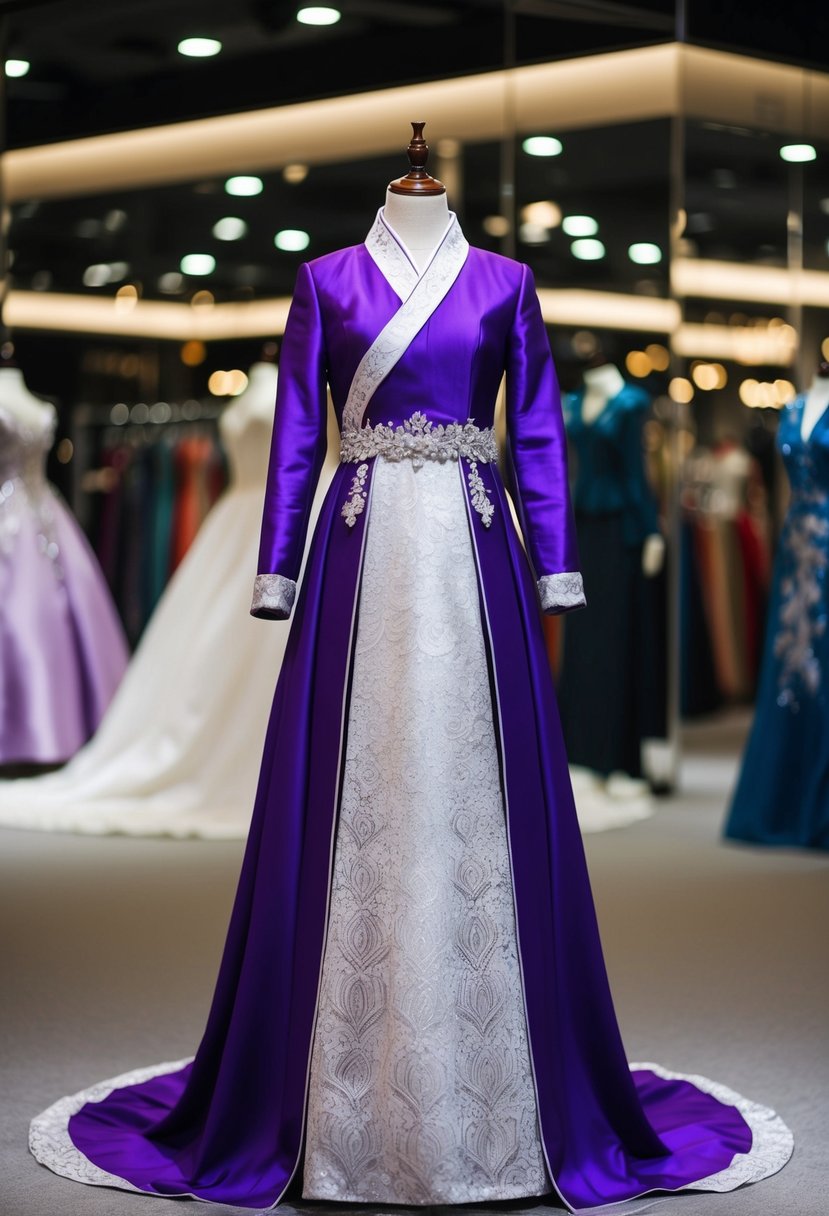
<point>782,796</point>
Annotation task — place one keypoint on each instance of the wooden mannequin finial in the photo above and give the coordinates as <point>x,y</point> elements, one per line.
<point>417,180</point>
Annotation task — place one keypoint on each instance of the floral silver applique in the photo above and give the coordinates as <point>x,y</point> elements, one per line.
<point>479,495</point>
<point>355,504</point>
<point>417,440</point>
<point>801,618</point>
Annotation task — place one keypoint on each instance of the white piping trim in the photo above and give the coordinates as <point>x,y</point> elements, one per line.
<point>503,750</point>
<point>332,843</point>
<point>389,346</point>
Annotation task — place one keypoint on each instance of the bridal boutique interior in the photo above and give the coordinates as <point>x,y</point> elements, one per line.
<point>662,169</point>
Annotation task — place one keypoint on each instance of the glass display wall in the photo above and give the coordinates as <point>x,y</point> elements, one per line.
<point>672,201</point>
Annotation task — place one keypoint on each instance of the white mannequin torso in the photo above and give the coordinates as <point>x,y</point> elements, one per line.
<point>17,399</point>
<point>817,402</point>
<point>601,384</point>
<point>420,223</point>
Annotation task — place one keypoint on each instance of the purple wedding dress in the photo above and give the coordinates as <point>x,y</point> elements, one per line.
<point>62,648</point>
<point>412,1006</point>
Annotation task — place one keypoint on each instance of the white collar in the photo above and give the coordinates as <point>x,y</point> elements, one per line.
<point>392,258</point>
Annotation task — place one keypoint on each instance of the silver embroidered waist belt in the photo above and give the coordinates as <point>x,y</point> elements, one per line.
<point>418,439</point>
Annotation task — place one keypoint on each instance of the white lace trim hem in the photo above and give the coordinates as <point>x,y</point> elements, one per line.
<point>51,1145</point>
<point>273,597</point>
<point>772,1142</point>
<point>561,592</point>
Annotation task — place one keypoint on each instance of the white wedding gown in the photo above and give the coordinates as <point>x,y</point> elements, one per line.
<point>178,751</point>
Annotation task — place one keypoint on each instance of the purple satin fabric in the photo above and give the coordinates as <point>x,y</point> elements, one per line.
<point>230,1127</point>
<point>62,648</point>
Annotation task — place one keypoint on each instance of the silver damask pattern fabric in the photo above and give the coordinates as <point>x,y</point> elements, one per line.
<point>273,596</point>
<point>561,592</point>
<point>421,1089</point>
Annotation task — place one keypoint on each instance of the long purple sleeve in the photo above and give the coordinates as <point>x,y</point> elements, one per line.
<point>538,448</point>
<point>297,453</point>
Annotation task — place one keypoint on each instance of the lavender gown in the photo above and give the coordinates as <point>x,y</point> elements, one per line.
<point>412,1006</point>
<point>62,648</point>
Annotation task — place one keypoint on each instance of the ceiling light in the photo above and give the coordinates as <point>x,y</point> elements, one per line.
<point>644,253</point>
<point>126,297</point>
<point>244,187</point>
<point>542,145</point>
<point>171,282</point>
<point>589,250</point>
<point>545,213</point>
<point>102,273</point>
<point>533,234</point>
<point>197,263</point>
<point>230,228</point>
<point>294,174</point>
<point>496,225</point>
<point>193,353</point>
<point>638,364</point>
<point>292,240</point>
<point>17,67</point>
<point>681,390</point>
<point>199,48</point>
<point>659,356</point>
<point>318,14</point>
<point>797,154</point>
<point>580,225</point>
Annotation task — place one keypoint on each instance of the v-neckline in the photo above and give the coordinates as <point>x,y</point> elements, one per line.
<point>819,421</point>
<point>398,268</point>
<point>407,251</point>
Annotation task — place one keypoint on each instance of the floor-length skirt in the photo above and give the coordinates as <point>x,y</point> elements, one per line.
<point>421,1087</point>
<point>396,862</point>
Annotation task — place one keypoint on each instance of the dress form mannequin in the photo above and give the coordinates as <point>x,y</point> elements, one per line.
<point>258,397</point>
<point>817,401</point>
<point>17,399</point>
<point>416,209</point>
<point>602,384</point>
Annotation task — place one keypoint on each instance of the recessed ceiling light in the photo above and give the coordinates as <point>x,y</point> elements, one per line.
<point>230,228</point>
<point>318,14</point>
<point>294,174</point>
<point>545,213</point>
<point>171,282</point>
<point>542,145</point>
<point>496,225</point>
<point>199,48</point>
<point>533,234</point>
<point>588,250</point>
<point>644,253</point>
<point>580,225</point>
<point>292,240</point>
<point>244,187</point>
<point>198,263</point>
<point>102,273</point>
<point>17,67</point>
<point>798,154</point>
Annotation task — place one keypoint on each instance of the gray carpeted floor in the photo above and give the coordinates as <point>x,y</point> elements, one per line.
<point>717,955</point>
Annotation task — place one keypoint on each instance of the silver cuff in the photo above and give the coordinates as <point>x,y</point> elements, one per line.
<point>561,592</point>
<point>273,597</point>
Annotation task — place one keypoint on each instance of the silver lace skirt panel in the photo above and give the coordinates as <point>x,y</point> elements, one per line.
<point>420,1088</point>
